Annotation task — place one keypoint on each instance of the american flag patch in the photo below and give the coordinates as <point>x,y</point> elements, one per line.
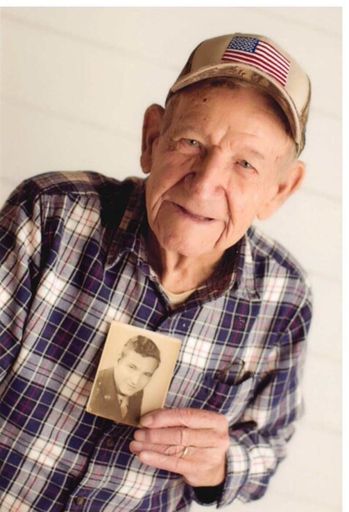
<point>259,54</point>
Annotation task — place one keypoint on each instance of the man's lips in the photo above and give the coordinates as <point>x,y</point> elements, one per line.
<point>130,388</point>
<point>192,215</point>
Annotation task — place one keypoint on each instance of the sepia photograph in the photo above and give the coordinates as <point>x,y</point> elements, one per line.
<point>134,373</point>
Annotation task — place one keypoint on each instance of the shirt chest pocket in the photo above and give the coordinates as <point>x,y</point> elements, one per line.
<point>229,399</point>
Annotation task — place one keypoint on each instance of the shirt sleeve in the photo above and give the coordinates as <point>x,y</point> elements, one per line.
<point>20,253</point>
<point>258,441</point>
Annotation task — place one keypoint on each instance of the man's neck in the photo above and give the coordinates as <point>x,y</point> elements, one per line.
<point>178,273</point>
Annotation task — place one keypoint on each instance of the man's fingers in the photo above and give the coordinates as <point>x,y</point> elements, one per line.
<point>182,436</point>
<point>197,466</point>
<point>191,442</point>
<point>166,462</point>
<point>192,418</point>
<point>185,452</point>
<point>172,450</point>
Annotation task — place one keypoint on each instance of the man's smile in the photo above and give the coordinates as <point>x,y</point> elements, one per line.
<point>193,216</point>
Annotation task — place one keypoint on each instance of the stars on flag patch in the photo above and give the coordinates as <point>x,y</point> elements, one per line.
<point>261,55</point>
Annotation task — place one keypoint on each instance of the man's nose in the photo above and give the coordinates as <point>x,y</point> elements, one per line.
<point>135,378</point>
<point>209,175</point>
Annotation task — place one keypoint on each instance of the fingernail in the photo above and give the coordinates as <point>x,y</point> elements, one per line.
<point>135,447</point>
<point>145,456</point>
<point>146,421</point>
<point>139,435</point>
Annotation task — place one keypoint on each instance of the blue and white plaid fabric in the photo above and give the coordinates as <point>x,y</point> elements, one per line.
<point>64,276</point>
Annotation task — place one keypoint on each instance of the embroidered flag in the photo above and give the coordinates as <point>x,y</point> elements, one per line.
<point>259,54</point>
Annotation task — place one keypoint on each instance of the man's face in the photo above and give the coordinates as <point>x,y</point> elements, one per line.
<point>214,169</point>
<point>133,372</point>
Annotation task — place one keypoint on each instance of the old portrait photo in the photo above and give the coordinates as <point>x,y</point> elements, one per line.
<point>134,373</point>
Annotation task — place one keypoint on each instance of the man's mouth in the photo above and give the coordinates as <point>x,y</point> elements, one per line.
<point>194,216</point>
<point>130,389</point>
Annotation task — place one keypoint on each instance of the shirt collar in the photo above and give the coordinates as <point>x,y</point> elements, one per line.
<point>236,274</point>
<point>245,282</point>
<point>126,237</point>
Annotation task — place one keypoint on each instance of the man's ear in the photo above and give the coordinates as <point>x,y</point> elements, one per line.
<point>151,131</point>
<point>289,182</point>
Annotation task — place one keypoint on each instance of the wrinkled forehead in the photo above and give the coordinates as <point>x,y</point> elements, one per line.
<point>186,101</point>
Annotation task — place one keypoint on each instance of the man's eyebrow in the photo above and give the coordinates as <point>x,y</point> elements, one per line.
<point>254,152</point>
<point>195,130</point>
<point>185,128</point>
<point>245,149</point>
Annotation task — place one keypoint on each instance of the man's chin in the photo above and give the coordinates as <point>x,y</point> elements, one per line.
<point>127,393</point>
<point>190,247</point>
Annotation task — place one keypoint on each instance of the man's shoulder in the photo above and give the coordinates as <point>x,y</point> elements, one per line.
<point>265,248</point>
<point>274,266</point>
<point>82,183</point>
<point>104,382</point>
<point>105,373</point>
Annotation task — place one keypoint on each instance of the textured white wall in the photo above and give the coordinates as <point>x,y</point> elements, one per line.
<point>75,82</point>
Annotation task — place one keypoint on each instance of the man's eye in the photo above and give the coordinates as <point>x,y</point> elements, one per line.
<point>192,142</point>
<point>189,146</point>
<point>245,164</point>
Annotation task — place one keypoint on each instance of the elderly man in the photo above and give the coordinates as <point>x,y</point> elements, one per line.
<point>175,254</point>
<point>118,393</point>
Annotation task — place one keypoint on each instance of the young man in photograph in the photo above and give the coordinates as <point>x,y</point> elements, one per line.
<point>118,392</point>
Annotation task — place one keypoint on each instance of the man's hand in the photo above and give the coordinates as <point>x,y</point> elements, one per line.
<point>191,442</point>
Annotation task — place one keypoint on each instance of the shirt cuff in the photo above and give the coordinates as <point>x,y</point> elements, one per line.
<point>237,472</point>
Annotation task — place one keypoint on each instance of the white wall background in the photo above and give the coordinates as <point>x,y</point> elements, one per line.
<point>75,82</point>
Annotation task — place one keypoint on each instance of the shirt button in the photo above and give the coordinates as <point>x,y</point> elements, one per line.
<point>110,443</point>
<point>79,501</point>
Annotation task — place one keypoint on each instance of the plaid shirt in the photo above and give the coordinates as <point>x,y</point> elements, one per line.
<point>65,274</point>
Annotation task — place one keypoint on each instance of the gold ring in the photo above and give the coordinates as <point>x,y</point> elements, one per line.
<point>184,452</point>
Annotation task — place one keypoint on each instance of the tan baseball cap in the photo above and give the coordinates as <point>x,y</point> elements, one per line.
<point>259,61</point>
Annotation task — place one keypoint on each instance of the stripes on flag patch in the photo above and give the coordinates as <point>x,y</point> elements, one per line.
<point>251,50</point>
